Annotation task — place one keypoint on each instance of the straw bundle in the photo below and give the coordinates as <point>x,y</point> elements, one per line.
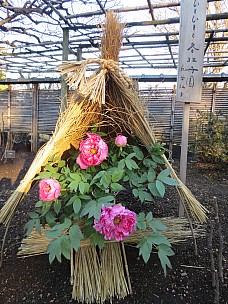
<point>177,231</point>
<point>71,127</point>
<point>109,87</point>
<point>123,110</point>
<point>112,37</point>
<point>100,275</point>
<point>106,98</point>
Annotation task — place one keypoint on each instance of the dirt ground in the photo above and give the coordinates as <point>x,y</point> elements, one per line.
<point>34,280</point>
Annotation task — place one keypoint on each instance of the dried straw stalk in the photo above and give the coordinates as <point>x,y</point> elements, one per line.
<point>123,109</point>
<point>99,275</point>
<point>177,231</point>
<point>71,127</point>
<point>112,36</point>
<point>108,86</point>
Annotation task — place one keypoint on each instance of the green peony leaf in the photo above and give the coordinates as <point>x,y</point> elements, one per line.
<point>151,175</point>
<point>76,236</point>
<point>117,175</point>
<point>29,226</point>
<point>82,187</point>
<point>97,177</point>
<point>77,205</point>
<point>72,200</point>
<point>106,199</point>
<point>135,192</point>
<point>159,239</point>
<point>33,215</point>
<point>97,239</point>
<point>65,246</point>
<point>54,250</point>
<point>76,177</point>
<point>149,163</point>
<point>141,217</point>
<point>141,225</point>
<point>44,174</point>
<point>61,163</point>
<point>116,187</point>
<point>160,187</point>
<point>157,225</point>
<point>73,186</point>
<point>153,189</point>
<point>92,208</point>
<point>50,219</point>
<point>158,159</point>
<point>143,178</point>
<point>46,207</point>
<point>163,252</point>
<point>170,181</point>
<point>58,229</point>
<point>57,206</point>
<point>37,225</point>
<point>121,164</point>
<point>163,174</point>
<point>131,164</point>
<point>149,217</point>
<point>39,204</point>
<point>106,179</point>
<point>145,248</point>
<point>145,196</point>
<point>51,169</point>
<point>138,153</point>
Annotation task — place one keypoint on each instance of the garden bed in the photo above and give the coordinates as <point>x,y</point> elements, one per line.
<point>34,280</point>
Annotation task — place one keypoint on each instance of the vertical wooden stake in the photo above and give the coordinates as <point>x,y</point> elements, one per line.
<point>184,149</point>
<point>213,98</point>
<point>79,54</point>
<point>63,78</point>
<point>173,101</point>
<point>9,144</point>
<point>34,127</point>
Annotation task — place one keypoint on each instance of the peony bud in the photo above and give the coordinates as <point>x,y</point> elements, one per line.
<point>121,140</point>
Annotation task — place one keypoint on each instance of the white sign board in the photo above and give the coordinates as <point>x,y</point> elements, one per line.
<point>191,50</point>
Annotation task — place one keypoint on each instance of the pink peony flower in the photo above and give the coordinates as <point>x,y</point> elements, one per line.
<point>115,222</point>
<point>93,151</point>
<point>121,140</point>
<point>49,189</point>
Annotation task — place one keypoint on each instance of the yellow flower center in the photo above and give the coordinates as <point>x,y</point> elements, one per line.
<point>116,220</point>
<point>93,151</point>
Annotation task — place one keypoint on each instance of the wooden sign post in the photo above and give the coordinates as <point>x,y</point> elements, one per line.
<point>190,68</point>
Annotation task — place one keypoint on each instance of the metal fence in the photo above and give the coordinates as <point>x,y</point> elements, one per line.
<point>16,110</point>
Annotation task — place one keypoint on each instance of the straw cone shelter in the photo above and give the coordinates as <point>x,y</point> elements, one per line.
<point>107,98</point>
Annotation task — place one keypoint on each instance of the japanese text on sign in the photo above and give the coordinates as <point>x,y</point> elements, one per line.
<point>191,50</point>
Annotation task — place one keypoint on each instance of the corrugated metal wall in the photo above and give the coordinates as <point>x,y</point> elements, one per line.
<point>21,109</point>
<point>164,114</point>
<point>49,105</point>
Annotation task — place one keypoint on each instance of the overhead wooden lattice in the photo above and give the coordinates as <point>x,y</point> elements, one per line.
<point>31,35</point>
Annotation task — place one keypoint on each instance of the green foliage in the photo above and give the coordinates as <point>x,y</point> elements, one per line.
<point>85,192</point>
<point>155,240</point>
<point>211,137</point>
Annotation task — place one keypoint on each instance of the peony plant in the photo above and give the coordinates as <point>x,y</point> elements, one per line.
<point>86,187</point>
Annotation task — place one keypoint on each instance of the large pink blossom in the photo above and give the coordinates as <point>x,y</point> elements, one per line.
<point>121,140</point>
<point>93,151</point>
<point>115,223</point>
<point>49,189</point>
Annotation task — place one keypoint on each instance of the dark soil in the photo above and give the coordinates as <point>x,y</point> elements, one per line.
<point>34,280</point>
